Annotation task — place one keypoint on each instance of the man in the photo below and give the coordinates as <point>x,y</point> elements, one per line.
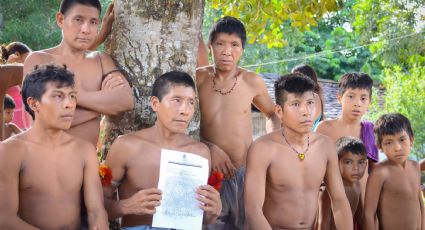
<point>286,168</point>
<point>44,169</point>
<point>135,158</point>
<point>101,89</point>
<point>226,93</point>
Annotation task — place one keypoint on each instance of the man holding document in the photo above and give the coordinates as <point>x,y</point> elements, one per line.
<point>137,160</point>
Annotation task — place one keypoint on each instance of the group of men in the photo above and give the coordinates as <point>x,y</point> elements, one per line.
<point>50,170</point>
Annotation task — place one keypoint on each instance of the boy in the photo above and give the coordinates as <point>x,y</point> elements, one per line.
<point>286,168</point>
<point>352,164</point>
<point>101,88</point>
<point>45,171</point>
<point>9,108</point>
<point>135,158</point>
<point>226,93</point>
<point>393,191</point>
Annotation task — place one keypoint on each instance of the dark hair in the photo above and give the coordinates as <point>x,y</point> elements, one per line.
<point>391,124</point>
<point>66,5</point>
<point>9,103</point>
<point>306,70</point>
<point>296,83</point>
<point>163,83</point>
<point>228,25</point>
<point>34,84</point>
<point>13,47</point>
<point>353,145</point>
<point>355,81</point>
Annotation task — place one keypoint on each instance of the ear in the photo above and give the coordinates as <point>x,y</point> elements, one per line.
<point>412,141</point>
<point>278,110</point>
<point>154,103</point>
<point>34,104</point>
<point>339,98</point>
<point>59,19</point>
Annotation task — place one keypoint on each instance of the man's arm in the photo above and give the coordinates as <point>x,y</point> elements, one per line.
<point>202,59</point>
<point>339,202</point>
<point>220,161</point>
<point>10,165</point>
<point>111,100</point>
<point>255,186</point>
<point>15,129</point>
<point>93,195</point>
<point>144,202</point>
<point>105,28</point>
<point>325,210</point>
<point>374,185</point>
<point>265,104</point>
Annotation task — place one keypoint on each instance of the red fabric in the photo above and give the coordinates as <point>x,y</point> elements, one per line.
<point>20,117</point>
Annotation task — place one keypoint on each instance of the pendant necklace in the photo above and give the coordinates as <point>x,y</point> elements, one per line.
<point>230,90</point>
<point>301,156</point>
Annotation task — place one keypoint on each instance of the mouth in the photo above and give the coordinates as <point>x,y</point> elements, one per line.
<point>84,40</point>
<point>181,121</point>
<point>357,112</point>
<point>67,116</point>
<point>226,62</point>
<point>307,122</point>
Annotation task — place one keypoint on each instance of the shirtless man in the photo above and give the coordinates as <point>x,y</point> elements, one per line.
<point>226,93</point>
<point>286,168</point>
<point>44,169</point>
<point>393,191</point>
<point>135,158</point>
<point>99,90</point>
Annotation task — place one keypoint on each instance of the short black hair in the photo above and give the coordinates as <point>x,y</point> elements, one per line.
<point>228,25</point>
<point>391,124</point>
<point>34,84</point>
<point>13,47</point>
<point>9,103</point>
<point>296,83</point>
<point>352,145</point>
<point>68,4</point>
<point>163,83</point>
<point>355,81</point>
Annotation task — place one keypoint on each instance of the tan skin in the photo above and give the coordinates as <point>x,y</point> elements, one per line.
<point>41,182</point>
<point>352,168</point>
<point>10,128</point>
<point>393,191</point>
<point>10,75</point>
<point>139,153</point>
<point>111,96</point>
<point>281,192</point>
<point>232,112</point>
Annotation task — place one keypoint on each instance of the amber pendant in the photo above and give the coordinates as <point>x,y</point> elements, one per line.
<point>301,156</point>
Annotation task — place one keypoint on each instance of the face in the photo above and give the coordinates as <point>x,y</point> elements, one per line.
<point>56,108</point>
<point>397,147</point>
<point>8,115</point>
<point>352,167</point>
<point>354,102</point>
<point>297,112</point>
<point>79,26</point>
<point>176,108</point>
<point>226,50</point>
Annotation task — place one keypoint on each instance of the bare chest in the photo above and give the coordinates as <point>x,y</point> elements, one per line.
<point>401,186</point>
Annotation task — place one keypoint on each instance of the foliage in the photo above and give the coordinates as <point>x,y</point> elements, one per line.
<point>266,20</point>
<point>31,22</point>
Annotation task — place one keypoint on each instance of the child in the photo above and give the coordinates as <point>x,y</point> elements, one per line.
<point>352,164</point>
<point>10,129</point>
<point>393,189</point>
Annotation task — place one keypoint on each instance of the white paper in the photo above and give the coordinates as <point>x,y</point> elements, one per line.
<point>180,174</point>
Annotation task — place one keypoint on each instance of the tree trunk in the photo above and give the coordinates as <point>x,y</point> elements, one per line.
<point>149,38</point>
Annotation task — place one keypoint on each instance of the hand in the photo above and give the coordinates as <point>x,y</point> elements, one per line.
<point>143,202</point>
<point>221,162</point>
<point>210,201</point>
<point>112,81</point>
<point>13,58</point>
<point>107,21</point>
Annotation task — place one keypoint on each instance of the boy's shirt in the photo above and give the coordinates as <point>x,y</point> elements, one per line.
<point>368,138</point>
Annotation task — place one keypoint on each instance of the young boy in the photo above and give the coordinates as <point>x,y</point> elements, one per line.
<point>101,88</point>
<point>352,164</point>
<point>135,158</point>
<point>393,191</point>
<point>45,172</point>
<point>9,127</point>
<point>286,168</point>
<point>354,95</point>
<point>226,93</point>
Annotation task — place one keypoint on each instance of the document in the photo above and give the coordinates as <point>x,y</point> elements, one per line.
<point>179,176</point>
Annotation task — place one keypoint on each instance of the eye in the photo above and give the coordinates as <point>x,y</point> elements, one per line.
<point>296,104</point>
<point>94,22</point>
<point>351,96</point>
<point>73,96</point>
<point>347,162</point>
<point>310,102</point>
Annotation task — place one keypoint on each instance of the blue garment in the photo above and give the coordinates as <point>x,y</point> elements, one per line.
<point>316,123</point>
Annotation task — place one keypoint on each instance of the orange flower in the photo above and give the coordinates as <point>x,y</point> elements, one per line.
<point>215,180</point>
<point>105,174</point>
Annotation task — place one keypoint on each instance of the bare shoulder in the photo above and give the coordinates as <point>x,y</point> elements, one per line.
<point>317,138</point>
<point>252,78</point>
<point>14,147</point>
<point>202,74</point>
<point>199,148</point>
<point>266,146</point>
<point>381,170</point>
<point>326,126</point>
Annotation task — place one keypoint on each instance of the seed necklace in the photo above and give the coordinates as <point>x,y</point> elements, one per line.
<point>230,90</point>
<point>301,156</point>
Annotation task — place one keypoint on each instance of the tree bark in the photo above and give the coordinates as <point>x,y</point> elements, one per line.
<point>149,38</point>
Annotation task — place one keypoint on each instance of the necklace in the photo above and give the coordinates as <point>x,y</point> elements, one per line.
<point>301,156</point>
<point>230,90</point>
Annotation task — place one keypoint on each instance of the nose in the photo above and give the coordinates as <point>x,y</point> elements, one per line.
<point>305,109</point>
<point>69,103</point>
<point>227,50</point>
<point>397,146</point>
<point>85,28</point>
<point>185,108</point>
